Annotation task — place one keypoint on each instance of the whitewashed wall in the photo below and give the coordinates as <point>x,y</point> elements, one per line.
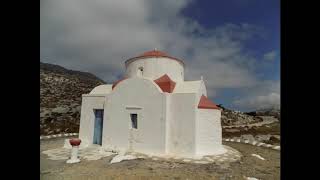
<point>102,89</point>
<point>208,132</point>
<point>87,117</point>
<point>141,96</point>
<point>182,124</point>
<point>154,68</point>
<point>168,123</point>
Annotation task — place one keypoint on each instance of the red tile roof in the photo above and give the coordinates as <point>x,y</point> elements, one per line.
<point>165,83</point>
<point>153,53</point>
<point>205,103</point>
<point>117,82</point>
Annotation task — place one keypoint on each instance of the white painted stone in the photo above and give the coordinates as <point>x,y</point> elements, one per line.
<point>276,147</point>
<point>201,162</point>
<point>260,144</point>
<point>252,178</point>
<point>121,157</point>
<point>257,156</point>
<point>254,142</point>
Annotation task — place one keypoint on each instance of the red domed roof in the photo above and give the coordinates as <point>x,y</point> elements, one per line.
<point>153,53</point>
<point>165,83</point>
<point>205,103</point>
<point>117,82</point>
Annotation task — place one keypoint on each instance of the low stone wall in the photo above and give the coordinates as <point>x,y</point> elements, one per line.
<point>254,143</point>
<point>235,139</point>
<point>58,135</point>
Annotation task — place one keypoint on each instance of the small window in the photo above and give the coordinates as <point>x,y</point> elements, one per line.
<point>140,70</point>
<point>134,121</point>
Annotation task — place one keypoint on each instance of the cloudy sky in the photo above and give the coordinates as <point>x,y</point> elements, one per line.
<point>233,44</point>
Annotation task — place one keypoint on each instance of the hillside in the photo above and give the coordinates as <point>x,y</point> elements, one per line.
<point>60,97</point>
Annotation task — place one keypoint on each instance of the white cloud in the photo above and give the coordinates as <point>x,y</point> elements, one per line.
<point>270,55</point>
<point>99,35</point>
<point>265,95</point>
<point>267,101</point>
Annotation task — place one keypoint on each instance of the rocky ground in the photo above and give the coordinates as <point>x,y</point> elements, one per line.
<point>249,166</point>
<point>60,98</point>
<point>269,133</point>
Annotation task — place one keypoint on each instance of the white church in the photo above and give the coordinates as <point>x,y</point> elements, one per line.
<point>152,110</point>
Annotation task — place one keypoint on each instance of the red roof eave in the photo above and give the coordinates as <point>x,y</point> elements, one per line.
<point>205,103</point>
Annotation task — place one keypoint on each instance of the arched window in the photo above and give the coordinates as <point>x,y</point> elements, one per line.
<point>140,71</point>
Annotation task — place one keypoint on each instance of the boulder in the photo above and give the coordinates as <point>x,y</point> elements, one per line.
<point>60,110</point>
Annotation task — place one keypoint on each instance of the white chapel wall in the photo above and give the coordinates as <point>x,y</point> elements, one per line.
<point>182,124</point>
<point>208,132</point>
<point>102,89</point>
<point>89,103</point>
<point>141,96</point>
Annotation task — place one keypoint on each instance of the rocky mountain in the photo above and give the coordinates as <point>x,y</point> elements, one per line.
<point>60,97</point>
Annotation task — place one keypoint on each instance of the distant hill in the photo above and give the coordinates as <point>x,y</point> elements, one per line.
<point>266,112</point>
<point>60,97</point>
<point>231,117</point>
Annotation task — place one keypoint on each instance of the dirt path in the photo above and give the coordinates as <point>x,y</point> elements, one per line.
<point>147,169</point>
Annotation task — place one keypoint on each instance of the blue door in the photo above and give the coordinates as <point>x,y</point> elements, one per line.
<point>98,124</point>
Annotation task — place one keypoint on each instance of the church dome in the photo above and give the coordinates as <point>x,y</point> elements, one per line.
<point>154,64</point>
<point>153,53</point>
